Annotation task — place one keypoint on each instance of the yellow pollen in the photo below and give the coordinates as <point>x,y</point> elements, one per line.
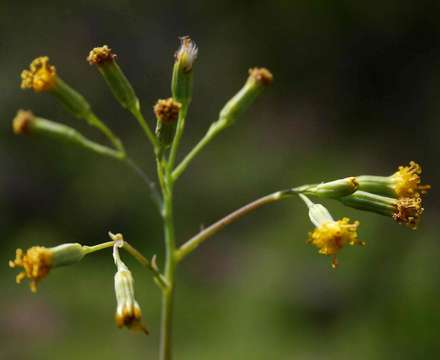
<point>408,211</point>
<point>40,76</point>
<point>332,236</point>
<point>407,182</point>
<point>36,264</point>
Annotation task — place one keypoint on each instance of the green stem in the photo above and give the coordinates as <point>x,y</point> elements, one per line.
<point>141,120</point>
<point>154,193</point>
<point>188,247</point>
<point>150,265</point>
<point>179,132</point>
<point>170,267</point>
<point>93,248</point>
<point>212,132</point>
<point>94,121</point>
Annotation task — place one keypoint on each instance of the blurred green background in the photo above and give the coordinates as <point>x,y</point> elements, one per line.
<point>356,91</point>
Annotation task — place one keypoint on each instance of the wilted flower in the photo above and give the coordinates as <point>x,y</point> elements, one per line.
<point>128,312</point>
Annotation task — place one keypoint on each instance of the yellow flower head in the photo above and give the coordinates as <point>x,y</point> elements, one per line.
<point>408,211</point>
<point>36,264</point>
<point>407,182</point>
<point>40,76</point>
<point>331,236</point>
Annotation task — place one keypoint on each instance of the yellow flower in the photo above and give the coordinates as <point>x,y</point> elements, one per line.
<point>41,76</point>
<point>408,211</point>
<point>406,181</point>
<point>39,260</point>
<point>36,264</point>
<point>331,236</point>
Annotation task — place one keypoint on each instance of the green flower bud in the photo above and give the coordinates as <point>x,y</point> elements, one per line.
<point>332,189</point>
<point>167,112</point>
<point>258,79</point>
<point>181,83</point>
<point>118,83</point>
<point>26,122</point>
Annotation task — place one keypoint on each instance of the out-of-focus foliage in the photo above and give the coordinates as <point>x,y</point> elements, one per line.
<point>356,91</point>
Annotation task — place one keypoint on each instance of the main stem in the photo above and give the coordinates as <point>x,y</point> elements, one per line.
<point>170,267</point>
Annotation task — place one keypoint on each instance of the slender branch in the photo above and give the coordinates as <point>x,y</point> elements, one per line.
<point>188,247</point>
<point>141,120</point>
<point>150,265</point>
<point>154,192</point>
<point>102,246</point>
<point>93,120</point>
<point>212,132</point>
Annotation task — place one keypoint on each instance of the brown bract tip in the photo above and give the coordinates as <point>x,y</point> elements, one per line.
<point>167,110</point>
<point>20,124</point>
<point>261,75</point>
<point>100,55</point>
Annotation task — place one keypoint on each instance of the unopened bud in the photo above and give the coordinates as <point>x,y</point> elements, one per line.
<point>167,112</point>
<point>258,79</point>
<point>105,60</point>
<point>27,123</point>
<point>332,189</point>
<point>181,83</point>
<point>22,122</point>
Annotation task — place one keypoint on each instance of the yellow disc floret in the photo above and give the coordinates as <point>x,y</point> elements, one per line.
<point>407,182</point>
<point>36,264</point>
<point>40,76</point>
<point>332,236</point>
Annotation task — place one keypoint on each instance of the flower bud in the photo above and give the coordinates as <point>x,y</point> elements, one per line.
<point>405,182</point>
<point>167,112</point>
<point>181,83</point>
<point>128,312</point>
<point>332,189</point>
<point>105,60</point>
<point>26,122</point>
<point>405,211</point>
<point>258,79</point>
<point>39,260</point>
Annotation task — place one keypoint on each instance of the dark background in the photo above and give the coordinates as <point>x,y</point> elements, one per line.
<point>356,91</point>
